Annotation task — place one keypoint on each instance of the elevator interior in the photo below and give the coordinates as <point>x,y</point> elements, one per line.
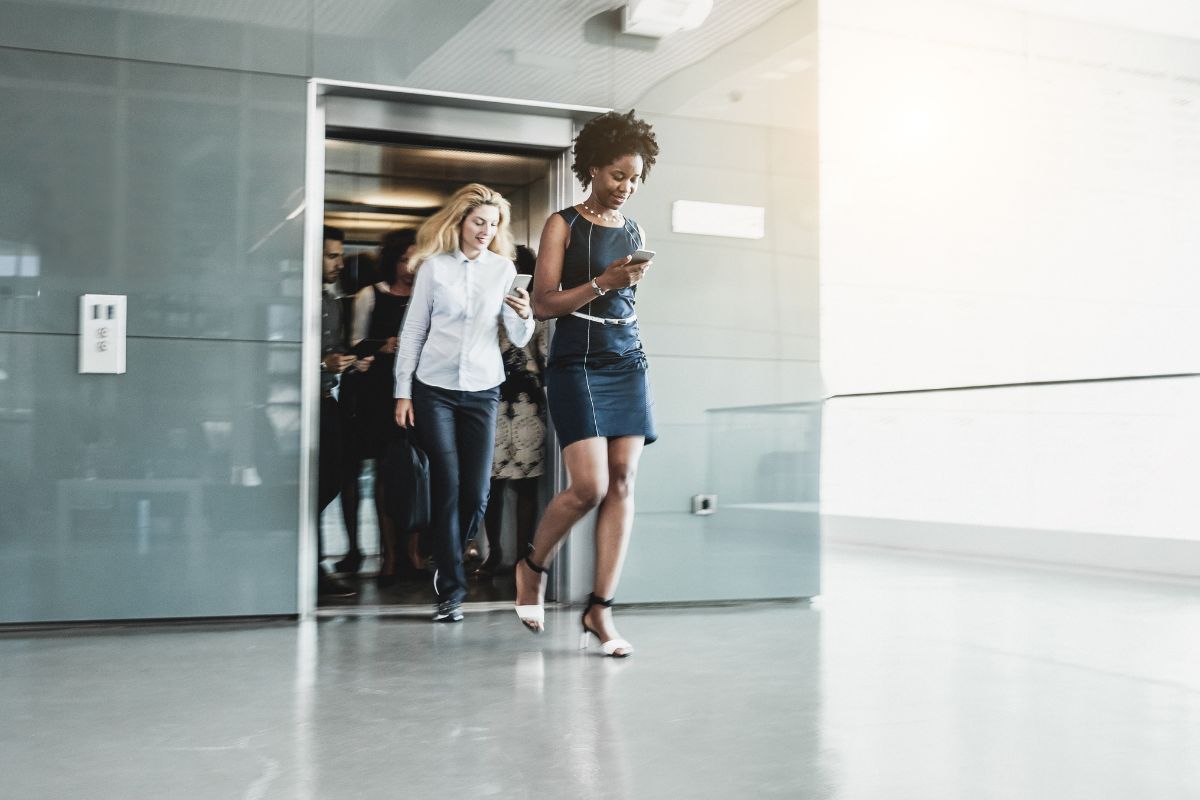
<point>390,165</point>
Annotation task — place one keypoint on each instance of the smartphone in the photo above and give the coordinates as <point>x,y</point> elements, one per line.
<point>368,347</point>
<point>520,282</point>
<point>642,255</point>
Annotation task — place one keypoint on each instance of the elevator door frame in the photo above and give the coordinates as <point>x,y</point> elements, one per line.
<point>414,114</point>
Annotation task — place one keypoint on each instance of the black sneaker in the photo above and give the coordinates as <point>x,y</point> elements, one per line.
<point>331,587</point>
<point>448,611</point>
<point>349,564</point>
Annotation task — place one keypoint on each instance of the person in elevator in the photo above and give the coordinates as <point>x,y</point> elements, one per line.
<point>519,458</point>
<point>336,359</point>
<point>378,311</point>
<point>448,367</point>
<point>596,378</point>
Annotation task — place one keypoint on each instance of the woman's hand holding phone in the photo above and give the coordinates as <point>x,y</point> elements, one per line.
<point>625,271</point>
<point>518,302</point>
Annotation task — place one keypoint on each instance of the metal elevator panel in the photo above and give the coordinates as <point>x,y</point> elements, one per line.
<point>437,123</point>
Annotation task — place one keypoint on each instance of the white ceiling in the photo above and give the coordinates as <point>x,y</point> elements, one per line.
<point>559,49</point>
<point>568,51</point>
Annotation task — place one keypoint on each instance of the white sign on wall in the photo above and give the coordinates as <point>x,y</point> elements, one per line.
<point>718,219</point>
<point>102,334</point>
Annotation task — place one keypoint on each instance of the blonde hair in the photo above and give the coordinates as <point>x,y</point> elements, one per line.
<point>440,233</point>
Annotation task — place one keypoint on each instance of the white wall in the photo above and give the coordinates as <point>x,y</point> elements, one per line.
<point>1009,194</point>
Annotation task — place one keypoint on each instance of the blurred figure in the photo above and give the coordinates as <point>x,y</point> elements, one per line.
<point>519,459</point>
<point>378,312</point>
<point>335,360</point>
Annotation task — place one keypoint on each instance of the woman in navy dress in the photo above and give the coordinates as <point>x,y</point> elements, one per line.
<point>596,376</point>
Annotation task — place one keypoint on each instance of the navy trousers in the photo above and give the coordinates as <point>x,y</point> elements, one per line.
<point>457,430</point>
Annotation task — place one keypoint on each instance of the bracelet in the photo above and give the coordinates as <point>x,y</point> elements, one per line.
<point>596,288</point>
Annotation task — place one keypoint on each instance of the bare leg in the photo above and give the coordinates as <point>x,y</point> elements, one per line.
<point>613,527</point>
<point>415,556</point>
<point>587,467</point>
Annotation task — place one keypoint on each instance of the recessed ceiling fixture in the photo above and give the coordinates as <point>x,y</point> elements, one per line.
<point>659,18</point>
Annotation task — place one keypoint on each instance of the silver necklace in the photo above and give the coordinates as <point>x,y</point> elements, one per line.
<point>612,217</point>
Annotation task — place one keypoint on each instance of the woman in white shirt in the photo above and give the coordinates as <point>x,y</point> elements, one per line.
<point>449,367</point>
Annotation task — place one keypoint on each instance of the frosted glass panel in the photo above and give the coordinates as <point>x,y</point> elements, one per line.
<point>172,185</point>
<point>264,36</point>
<point>170,491</point>
<point>730,330</point>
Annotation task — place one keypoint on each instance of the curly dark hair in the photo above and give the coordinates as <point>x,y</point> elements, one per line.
<point>392,247</point>
<point>609,136</point>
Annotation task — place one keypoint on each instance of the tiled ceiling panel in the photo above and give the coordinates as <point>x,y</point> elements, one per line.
<point>573,51</point>
<point>269,13</point>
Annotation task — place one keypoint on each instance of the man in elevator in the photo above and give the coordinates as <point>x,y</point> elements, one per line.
<point>335,360</point>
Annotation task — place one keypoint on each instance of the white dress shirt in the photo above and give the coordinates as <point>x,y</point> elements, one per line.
<point>451,336</point>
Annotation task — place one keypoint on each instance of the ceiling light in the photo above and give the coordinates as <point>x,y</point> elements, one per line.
<point>659,18</point>
<point>401,199</point>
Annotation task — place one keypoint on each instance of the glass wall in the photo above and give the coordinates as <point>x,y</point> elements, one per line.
<point>170,490</point>
<point>156,150</point>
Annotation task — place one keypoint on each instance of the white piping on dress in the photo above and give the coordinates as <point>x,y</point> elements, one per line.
<point>587,350</point>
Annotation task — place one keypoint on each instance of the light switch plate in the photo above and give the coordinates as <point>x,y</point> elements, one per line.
<point>102,334</point>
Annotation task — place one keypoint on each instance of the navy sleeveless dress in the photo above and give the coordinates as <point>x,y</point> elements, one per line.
<point>596,376</point>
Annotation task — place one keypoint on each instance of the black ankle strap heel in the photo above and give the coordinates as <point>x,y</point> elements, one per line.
<point>610,647</point>
<point>529,562</point>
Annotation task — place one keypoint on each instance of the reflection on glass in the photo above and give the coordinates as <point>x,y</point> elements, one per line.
<point>764,468</point>
<point>766,456</point>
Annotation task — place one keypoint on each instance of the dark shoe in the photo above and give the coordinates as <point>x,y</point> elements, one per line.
<point>349,564</point>
<point>490,565</point>
<point>331,587</point>
<point>470,552</point>
<point>448,611</point>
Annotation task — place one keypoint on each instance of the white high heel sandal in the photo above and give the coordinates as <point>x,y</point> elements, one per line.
<point>610,647</point>
<point>533,617</point>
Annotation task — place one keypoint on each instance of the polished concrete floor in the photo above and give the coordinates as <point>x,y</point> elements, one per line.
<point>912,677</point>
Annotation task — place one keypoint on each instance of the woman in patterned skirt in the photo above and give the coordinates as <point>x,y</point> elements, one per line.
<point>520,454</point>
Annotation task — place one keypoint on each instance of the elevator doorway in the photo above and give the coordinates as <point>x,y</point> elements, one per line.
<point>387,160</point>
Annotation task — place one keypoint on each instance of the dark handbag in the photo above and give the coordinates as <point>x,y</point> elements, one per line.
<point>406,484</point>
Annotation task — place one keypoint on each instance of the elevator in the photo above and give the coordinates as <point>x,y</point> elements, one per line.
<point>379,159</point>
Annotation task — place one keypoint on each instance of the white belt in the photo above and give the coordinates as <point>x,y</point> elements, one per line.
<point>622,321</point>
